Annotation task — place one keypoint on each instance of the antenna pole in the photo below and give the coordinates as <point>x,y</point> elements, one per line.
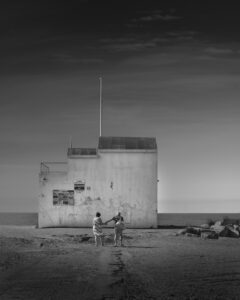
<point>100,99</point>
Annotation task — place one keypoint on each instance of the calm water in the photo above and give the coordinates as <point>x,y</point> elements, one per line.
<point>22,219</point>
<point>193,219</point>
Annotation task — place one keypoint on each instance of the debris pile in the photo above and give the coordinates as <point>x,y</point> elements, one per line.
<point>225,228</point>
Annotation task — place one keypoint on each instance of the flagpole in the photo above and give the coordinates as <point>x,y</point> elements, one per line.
<point>100,99</point>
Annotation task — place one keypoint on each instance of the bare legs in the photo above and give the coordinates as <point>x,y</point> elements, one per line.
<point>121,239</point>
<point>99,240</point>
<point>115,237</point>
<point>118,236</point>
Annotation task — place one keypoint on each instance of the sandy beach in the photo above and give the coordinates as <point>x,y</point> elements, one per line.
<point>63,263</point>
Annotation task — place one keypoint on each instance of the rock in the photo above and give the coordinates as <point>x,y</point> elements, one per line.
<point>233,232</point>
<point>191,234</point>
<point>182,231</point>
<point>213,232</point>
<point>217,228</point>
<point>229,232</point>
<point>205,226</point>
<point>193,230</point>
<point>236,227</point>
<point>209,235</point>
<point>218,223</point>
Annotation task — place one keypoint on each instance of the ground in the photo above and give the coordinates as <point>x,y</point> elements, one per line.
<point>154,264</point>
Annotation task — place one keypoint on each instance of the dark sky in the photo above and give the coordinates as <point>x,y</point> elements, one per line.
<point>170,69</point>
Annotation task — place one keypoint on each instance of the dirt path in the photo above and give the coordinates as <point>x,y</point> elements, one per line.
<point>68,275</point>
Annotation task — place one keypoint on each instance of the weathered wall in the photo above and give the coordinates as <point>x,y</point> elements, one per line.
<point>114,181</point>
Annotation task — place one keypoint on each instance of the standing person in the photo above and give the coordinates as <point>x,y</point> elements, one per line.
<point>97,230</point>
<point>115,219</point>
<point>120,226</point>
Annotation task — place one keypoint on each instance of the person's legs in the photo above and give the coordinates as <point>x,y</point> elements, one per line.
<point>118,237</point>
<point>115,237</point>
<point>102,240</point>
<point>121,239</point>
<point>96,240</point>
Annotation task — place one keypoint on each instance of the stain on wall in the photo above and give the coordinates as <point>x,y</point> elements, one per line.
<point>119,181</point>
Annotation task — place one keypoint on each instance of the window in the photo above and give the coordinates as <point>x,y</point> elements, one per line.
<point>63,197</point>
<point>79,186</point>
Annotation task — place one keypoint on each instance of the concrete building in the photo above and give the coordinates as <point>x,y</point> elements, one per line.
<point>119,175</point>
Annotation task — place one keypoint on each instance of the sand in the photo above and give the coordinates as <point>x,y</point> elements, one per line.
<point>63,263</point>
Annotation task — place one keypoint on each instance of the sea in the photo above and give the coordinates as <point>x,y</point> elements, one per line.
<point>19,219</point>
<point>165,220</point>
<point>168,220</point>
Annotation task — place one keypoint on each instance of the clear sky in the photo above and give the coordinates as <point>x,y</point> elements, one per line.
<point>171,70</point>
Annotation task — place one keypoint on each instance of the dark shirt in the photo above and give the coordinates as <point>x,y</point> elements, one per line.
<point>116,218</point>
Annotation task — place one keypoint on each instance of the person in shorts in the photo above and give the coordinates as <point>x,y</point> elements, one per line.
<point>119,227</point>
<point>115,219</point>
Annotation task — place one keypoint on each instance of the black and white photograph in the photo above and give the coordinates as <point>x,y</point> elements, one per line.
<point>119,150</point>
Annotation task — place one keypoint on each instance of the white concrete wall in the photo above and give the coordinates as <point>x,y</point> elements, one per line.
<point>114,181</point>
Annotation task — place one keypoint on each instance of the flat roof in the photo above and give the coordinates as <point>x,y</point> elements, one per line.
<point>128,143</point>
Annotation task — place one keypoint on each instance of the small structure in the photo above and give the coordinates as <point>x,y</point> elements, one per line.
<point>118,176</point>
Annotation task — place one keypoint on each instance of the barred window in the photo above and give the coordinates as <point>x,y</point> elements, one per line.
<point>79,186</point>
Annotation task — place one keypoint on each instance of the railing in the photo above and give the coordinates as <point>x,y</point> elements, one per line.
<point>46,167</point>
<point>82,151</point>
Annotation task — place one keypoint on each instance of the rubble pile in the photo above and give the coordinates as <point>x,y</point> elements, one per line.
<point>208,231</point>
